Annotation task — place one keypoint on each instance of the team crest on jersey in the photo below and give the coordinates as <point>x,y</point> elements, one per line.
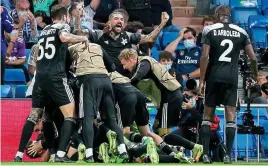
<point>196,54</point>
<point>107,42</point>
<point>124,41</point>
<point>181,53</point>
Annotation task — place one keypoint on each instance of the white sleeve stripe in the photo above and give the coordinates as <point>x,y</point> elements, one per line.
<point>237,28</point>
<point>209,28</point>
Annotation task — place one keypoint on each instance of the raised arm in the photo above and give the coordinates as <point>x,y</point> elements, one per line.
<point>173,45</point>
<point>153,35</point>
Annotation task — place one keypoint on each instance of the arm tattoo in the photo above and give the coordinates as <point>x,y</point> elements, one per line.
<point>152,36</point>
<point>70,38</point>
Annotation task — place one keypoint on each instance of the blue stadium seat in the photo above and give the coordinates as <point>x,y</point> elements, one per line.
<point>257,29</point>
<point>241,12</point>
<point>264,7</point>
<point>14,76</point>
<point>243,3</point>
<point>20,91</point>
<point>6,91</point>
<point>221,2</point>
<point>241,146</point>
<point>169,37</point>
<point>28,51</point>
<point>155,54</point>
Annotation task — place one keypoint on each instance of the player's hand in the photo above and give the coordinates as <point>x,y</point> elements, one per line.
<point>187,105</point>
<point>164,18</point>
<point>34,148</point>
<point>85,41</point>
<point>107,28</point>
<point>201,88</point>
<point>23,19</point>
<point>182,33</point>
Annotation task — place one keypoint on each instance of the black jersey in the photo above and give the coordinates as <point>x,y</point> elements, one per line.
<point>226,41</point>
<point>51,59</point>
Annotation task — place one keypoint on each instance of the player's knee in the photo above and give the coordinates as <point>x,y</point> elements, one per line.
<point>36,113</point>
<point>68,110</point>
<point>230,124</point>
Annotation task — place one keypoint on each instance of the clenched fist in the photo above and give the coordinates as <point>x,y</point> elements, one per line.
<point>164,18</point>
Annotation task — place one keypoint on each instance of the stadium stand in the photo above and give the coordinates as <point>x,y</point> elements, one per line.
<point>28,51</point>
<point>257,25</point>
<point>6,91</point>
<point>241,13</point>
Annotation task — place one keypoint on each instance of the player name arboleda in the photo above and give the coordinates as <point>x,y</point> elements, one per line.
<point>226,33</point>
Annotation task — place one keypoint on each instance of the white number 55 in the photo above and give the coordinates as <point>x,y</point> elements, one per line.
<point>47,46</point>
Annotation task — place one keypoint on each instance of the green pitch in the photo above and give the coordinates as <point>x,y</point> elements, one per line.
<point>100,164</point>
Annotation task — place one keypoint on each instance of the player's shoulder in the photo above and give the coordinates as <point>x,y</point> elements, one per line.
<point>60,26</point>
<point>239,29</point>
<point>209,28</point>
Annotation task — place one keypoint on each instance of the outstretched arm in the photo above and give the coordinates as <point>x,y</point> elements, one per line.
<point>153,35</point>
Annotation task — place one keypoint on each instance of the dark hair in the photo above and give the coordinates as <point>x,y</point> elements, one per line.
<point>208,18</point>
<point>73,6</point>
<point>189,29</point>
<point>124,12</point>
<point>147,30</point>
<point>134,26</point>
<point>58,11</point>
<point>264,88</point>
<point>165,55</point>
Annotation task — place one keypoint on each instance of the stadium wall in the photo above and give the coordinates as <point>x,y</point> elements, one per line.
<point>13,116</point>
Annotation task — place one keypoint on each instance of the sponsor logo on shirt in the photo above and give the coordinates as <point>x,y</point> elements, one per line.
<point>187,60</point>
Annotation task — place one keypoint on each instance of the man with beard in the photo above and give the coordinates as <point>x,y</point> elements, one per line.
<point>115,39</point>
<point>96,94</point>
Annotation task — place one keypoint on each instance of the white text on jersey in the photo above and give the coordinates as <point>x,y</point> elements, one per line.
<point>48,32</point>
<point>226,33</point>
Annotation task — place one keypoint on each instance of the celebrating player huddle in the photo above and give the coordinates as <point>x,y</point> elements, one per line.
<point>87,97</point>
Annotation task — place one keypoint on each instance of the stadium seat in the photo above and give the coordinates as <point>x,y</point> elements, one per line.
<point>20,91</point>
<point>241,146</point>
<point>257,29</point>
<point>243,3</point>
<point>28,51</point>
<point>14,76</point>
<point>242,11</point>
<point>155,54</point>
<point>221,2</point>
<point>6,91</point>
<point>264,7</point>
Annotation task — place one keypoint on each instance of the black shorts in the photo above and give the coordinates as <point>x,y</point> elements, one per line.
<point>169,112</point>
<point>51,89</point>
<point>96,94</point>
<point>132,105</point>
<point>217,93</point>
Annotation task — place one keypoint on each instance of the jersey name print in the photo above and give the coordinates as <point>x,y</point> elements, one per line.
<point>225,41</point>
<point>52,52</point>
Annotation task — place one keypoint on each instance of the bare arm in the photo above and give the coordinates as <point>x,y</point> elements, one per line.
<point>31,70</point>
<point>19,61</point>
<point>204,62</point>
<point>153,35</point>
<point>253,58</point>
<point>173,45</point>
<point>195,74</point>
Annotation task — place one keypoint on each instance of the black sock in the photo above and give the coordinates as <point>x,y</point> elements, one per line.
<point>206,130</point>
<point>48,127</point>
<point>174,139</point>
<point>230,135</point>
<point>75,140</point>
<point>135,137</point>
<point>66,133</point>
<point>26,134</point>
<point>74,157</point>
<point>138,151</point>
<point>165,148</point>
<point>167,159</point>
<point>111,123</point>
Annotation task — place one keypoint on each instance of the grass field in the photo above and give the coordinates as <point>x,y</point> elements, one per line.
<point>101,164</point>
